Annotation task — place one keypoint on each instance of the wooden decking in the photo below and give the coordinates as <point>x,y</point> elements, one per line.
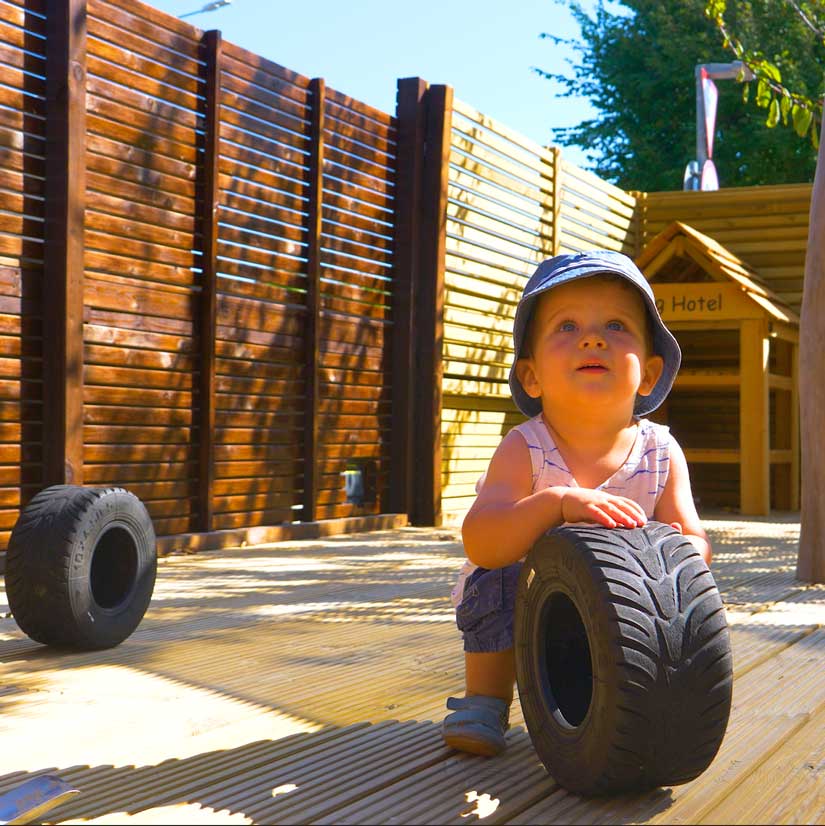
<point>305,683</point>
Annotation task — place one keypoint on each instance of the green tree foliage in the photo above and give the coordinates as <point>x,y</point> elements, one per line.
<point>636,65</point>
<point>794,107</point>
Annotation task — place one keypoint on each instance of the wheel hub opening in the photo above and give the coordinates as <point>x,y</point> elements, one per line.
<point>566,661</point>
<point>114,568</point>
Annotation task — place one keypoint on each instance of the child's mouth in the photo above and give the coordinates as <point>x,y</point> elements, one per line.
<point>593,368</point>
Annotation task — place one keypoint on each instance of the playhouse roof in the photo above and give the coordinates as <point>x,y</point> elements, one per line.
<point>680,253</point>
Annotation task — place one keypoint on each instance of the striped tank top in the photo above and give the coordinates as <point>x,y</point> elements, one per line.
<point>642,477</point>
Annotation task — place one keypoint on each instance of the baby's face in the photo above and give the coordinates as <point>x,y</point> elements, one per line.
<point>588,346</point>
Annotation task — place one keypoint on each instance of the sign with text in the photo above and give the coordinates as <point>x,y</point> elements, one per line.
<point>708,301</point>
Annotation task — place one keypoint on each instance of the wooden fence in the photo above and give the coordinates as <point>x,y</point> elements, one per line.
<point>766,226</point>
<point>510,204</point>
<point>198,273</point>
<point>224,285</point>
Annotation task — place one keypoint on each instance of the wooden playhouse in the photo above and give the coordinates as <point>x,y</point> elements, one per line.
<point>734,406</point>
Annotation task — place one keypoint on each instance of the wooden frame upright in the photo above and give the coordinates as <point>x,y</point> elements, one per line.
<point>63,265</point>
<point>411,118</point>
<point>212,44</point>
<point>429,326</point>
<point>313,300</point>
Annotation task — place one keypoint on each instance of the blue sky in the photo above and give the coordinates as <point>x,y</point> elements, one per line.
<point>483,49</point>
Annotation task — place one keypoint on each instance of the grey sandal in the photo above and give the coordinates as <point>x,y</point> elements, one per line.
<point>477,724</point>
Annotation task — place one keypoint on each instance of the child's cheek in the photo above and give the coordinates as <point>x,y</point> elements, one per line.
<point>633,366</point>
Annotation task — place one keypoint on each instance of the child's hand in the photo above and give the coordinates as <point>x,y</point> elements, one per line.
<point>585,505</point>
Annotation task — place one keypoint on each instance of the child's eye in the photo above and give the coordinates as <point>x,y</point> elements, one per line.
<point>615,325</point>
<point>567,326</point>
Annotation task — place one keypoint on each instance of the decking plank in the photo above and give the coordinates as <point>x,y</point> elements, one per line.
<point>305,682</point>
<point>789,787</point>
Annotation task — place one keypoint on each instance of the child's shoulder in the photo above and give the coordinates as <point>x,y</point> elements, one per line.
<point>654,429</point>
<point>654,435</point>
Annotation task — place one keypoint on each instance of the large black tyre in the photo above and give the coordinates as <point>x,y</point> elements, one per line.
<point>80,566</point>
<point>623,658</point>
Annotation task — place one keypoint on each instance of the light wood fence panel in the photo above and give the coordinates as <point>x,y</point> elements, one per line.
<point>500,224</point>
<point>511,205</point>
<point>595,214</point>
<point>22,172</point>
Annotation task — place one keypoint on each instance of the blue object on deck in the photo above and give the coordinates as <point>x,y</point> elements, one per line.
<point>33,798</point>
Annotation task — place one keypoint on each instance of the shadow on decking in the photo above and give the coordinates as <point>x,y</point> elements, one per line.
<point>392,772</point>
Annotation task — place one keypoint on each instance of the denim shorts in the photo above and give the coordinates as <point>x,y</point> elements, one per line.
<point>485,613</point>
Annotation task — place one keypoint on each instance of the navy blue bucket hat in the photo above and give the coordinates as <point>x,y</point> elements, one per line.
<point>565,268</point>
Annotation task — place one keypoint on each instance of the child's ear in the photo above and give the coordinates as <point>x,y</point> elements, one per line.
<point>653,371</point>
<point>527,376</point>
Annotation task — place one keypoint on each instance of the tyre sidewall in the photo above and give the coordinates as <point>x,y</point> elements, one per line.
<point>96,625</point>
<point>577,755</point>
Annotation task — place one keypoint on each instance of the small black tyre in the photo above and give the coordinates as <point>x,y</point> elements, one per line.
<point>80,566</point>
<point>623,658</point>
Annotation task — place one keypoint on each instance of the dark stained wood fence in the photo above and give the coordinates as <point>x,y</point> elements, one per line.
<point>199,273</point>
<point>22,179</point>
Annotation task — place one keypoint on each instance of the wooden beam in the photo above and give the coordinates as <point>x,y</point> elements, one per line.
<point>777,382</point>
<point>711,456</point>
<point>719,378</point>
<point>557,199</point>
<point>661,258</point>
<point>724,456</point>
<point>64,211</point>
<point>780,457</point>
<point>639,222</point>
<point>429,310</point>
<point>731,324</point>
<point>313,299</point>
<point>787,332</point>
<point>754,446</point>
<point>243,538</point>
<point>207,319</point>
<point>411,119</point>
<point>781,401</point>
<point>795,440</point>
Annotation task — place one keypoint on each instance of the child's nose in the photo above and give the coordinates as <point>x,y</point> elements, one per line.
<point>593,338</point>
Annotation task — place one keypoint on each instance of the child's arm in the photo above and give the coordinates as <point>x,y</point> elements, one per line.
<point>676,507</point>
<point>507,517</point>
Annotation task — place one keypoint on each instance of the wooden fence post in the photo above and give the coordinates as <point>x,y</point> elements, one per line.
<point>207,310</point>
<point>640,222</point>
<point>313,299</point>
<point>557,200</point>
<point>63,259</point>
<point>794,503</point>
<point>429,309</point>
<point>754,432</point>
<point>411,119</point>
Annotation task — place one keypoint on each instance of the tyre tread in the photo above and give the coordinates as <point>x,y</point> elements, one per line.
<point>669,631</point>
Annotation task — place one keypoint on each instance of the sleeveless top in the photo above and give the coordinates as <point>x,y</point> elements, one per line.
<point>642,477</point>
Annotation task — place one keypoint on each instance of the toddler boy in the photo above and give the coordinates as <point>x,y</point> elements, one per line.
<point>592,358</point>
